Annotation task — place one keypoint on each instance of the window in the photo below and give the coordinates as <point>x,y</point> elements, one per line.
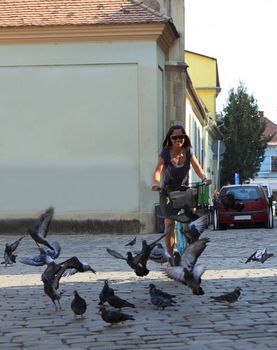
<point>274,164</point>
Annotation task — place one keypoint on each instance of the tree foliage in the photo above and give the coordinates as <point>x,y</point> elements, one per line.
<point>243,136</point>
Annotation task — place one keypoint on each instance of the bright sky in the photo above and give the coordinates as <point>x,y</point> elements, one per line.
<point>242,36</point>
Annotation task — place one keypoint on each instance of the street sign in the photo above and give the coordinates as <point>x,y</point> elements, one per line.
<point>236,178</point>
<point>218,145</point>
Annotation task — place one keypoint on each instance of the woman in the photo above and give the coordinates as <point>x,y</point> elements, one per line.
<point>174,162</point>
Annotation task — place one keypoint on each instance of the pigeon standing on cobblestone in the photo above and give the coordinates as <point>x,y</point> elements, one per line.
<point>260,255</point>
<point>116,302</point>
<point>105,292</point>
<point>78,305</point>
<point>112,316</point>
<point>187,272</point>
<point>230,297</point>
<point>9,257</point>
<point>41,228</point>
<point>158,292</point>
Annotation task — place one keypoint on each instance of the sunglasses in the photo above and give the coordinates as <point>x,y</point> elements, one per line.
<point>177,137</point>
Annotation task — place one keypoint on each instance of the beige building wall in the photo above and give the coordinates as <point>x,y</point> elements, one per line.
<point>79,129</point>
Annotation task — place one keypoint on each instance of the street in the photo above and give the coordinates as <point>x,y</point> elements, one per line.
<point>29,320</point>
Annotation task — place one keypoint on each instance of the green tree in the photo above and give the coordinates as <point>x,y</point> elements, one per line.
<point>243,136</point>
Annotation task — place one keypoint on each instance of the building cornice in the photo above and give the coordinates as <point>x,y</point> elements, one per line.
<point>161,32</point>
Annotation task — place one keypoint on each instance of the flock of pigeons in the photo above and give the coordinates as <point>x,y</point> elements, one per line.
<point>183,269</point>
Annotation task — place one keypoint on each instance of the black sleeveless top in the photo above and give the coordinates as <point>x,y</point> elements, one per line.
<point>174,175</point>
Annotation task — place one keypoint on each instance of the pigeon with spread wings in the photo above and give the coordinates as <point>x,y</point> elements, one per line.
<point>187,272</point>
<point>9,257</point>
<point>40,230</point>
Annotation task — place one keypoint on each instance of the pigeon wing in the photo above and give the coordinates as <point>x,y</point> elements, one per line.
<point>250,257</point>
<point>44,222</point>
<point>14,245</point>
<point>198,271</point>
<point>192,253</point>
<point>115,254</point>
<point>176,273</point>
<point>199,224</point>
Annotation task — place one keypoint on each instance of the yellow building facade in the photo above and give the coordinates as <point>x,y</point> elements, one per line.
<point>203,71</point>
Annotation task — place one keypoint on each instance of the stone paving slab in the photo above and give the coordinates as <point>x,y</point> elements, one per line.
<point>29,320</point>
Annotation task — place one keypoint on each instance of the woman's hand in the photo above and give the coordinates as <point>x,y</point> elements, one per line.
<point>207,181</point>
<point>155,186</point>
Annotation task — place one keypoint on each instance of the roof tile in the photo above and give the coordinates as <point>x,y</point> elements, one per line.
<point>18,13</point>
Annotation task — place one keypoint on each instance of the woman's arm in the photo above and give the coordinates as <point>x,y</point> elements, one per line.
<point>198,169</point>
<point>157,175</point>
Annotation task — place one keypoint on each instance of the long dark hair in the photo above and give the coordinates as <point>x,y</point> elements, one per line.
<point>167,141</point>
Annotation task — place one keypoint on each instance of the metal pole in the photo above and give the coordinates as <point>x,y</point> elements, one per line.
<point>218,180</point>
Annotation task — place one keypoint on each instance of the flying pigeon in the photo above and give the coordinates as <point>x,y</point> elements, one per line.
<point>159,255</point>
<point>53,273</point>
<point>230,297</point>
<point>78,305</point>
<point>131,243</point>
<point>139,261</point>
<point>229,202</point>
<point>40,260</point>
<point>9,257</point>
<point>195,228</point>
<point>186,271</point>
<point>133,261</point>
<point>112,316</point>
<point>40,230</point>
<point>260,255</point>
<point>116,302</point>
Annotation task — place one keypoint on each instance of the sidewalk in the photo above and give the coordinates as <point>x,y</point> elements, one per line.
<point>29,319</point>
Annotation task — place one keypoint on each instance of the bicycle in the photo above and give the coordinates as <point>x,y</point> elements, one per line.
<point>190,206</point>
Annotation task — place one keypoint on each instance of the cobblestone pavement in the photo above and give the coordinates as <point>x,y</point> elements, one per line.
<point>29,320</point>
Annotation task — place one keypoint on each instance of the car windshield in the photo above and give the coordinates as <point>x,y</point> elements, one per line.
<point>242,193</point>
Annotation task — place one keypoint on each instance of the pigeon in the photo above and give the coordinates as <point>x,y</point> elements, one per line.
<point>260,255</point>
<point>186,271</point>
<point>132,261</point>
<point>9,257</point>
<point>195,228</point>
<point>139,261</point>
<point>71,271</point>
<point>53,273</point>
<point>116,302</point>
<point>78,305</point>
<point>160,301</point>
<point>131,243</point>
<point>153,291</point>
<point>41,228</point>
<point>230,297</point>
<point>112,316</point>
<point>159,255</point>
<point>229,202</point>
<point>105,292</point>
<point>40,260</point>
<point>147,248</point>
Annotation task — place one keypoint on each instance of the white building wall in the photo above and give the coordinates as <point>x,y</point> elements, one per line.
<point>79,129</point>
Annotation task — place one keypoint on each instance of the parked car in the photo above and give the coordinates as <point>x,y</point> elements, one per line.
<point>253,207</point>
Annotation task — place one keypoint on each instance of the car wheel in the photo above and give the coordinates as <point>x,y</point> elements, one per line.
<point>270,221</point>
<point>216,225</point>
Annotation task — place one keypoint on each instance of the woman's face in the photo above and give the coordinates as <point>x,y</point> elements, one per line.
<point>177,138</point>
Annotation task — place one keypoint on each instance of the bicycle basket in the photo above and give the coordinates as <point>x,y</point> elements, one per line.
<point>182,199</point>
<point>202,195</point>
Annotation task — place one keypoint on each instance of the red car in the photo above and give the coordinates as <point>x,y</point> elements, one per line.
<point>242,205</point>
